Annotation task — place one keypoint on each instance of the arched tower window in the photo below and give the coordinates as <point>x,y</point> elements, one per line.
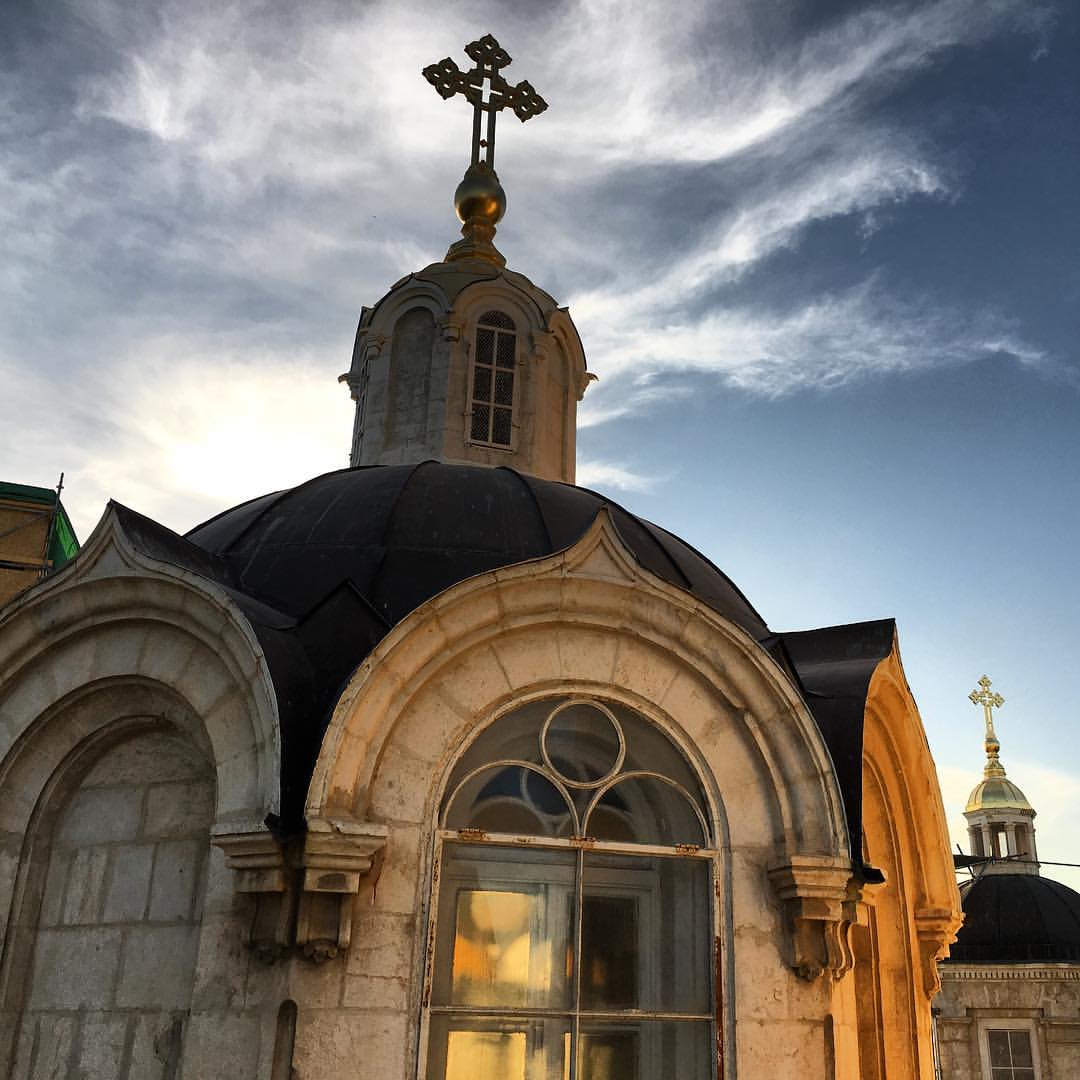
<point>573,923</point>
<point>492,384</point>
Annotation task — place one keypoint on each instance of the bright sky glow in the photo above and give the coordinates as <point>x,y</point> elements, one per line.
<point>823,258</point>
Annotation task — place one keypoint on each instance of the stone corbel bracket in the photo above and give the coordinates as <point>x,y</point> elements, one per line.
<point>337,853</point>
<point>260,871</point>
<point>819,906</point>
<point>936,929</point>
<point>302,891</point>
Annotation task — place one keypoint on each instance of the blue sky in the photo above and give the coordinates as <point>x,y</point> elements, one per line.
<point>823,258</point>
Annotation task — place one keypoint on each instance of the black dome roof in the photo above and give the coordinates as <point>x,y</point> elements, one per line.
<point>1018,919</point>
<point>400,534</point>
<point>324,570</point>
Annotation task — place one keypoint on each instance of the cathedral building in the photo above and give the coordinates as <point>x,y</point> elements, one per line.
<point>1009,1007</point>
<point>441,767</point>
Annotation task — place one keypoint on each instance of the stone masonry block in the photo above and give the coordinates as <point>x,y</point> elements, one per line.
<point>74,968</point>
<point>101,1050</point>
<point>174,810</point>
<point>100,816</point>
<point>85,884</point>
<point>157,969</point>
<point>177,866</point>
<point>153,757</point>
<point>129,885</point>
<point>55,1036</point>
<point>219,1045</point>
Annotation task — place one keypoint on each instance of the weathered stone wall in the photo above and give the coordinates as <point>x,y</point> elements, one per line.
<point>114,955</point>
<point>1044,996</point>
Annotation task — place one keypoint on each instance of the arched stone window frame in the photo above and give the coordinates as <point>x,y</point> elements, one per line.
<point>591,620</point>
<point>494,380</point>
<point>560,870</point>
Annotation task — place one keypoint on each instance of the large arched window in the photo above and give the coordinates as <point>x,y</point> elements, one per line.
<point>492,389</point>
<point>573,920</point>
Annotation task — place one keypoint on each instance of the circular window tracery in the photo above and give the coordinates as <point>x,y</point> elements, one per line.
<point>578,767</point>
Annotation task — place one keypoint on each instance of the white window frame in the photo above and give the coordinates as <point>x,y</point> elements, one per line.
<point>1007,1023</point>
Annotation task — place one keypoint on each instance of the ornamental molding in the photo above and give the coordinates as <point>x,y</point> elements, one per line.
<point>951,972</point>
<point>301,890</point>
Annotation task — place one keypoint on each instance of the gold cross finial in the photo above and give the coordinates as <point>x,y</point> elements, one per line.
<point>989,701</point>
<point>480,201</point>
<point>490,57</point>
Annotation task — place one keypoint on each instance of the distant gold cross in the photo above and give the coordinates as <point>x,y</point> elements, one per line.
<point>448,79</point>
<point>989,701</point>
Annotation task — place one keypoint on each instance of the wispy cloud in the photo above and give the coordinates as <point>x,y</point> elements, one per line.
<point>190,223</point>
<point>605,474</point>
<point>826,343</point>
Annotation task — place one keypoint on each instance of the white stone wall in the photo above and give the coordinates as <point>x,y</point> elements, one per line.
<point>117,930</point>
<point>1045,996</point>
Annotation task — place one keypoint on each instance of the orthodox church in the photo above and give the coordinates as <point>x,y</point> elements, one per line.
<point>442,767</point>
<point>1009,1007</point>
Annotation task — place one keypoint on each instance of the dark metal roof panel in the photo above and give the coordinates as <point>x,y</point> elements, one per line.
<point>1018,919</point>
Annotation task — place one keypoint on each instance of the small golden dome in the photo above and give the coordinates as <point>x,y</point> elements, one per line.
<point>996,793</point>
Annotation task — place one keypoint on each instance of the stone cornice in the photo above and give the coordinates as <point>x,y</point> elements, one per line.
<point>1010,972</point>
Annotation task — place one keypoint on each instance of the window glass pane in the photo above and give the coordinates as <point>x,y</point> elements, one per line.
<point>645,1050</point>
<point>648,749</point>
<point>500,428</point>
<point>482,384</point>
<point>645,810</point>
<point>510,799</point>
<point>504,356</point>
<point>504,388</point>
<point>646,934</point>
<point>582,743</point>
<point>487,1048</point>
<point>1020,1044</point>
<point>505,928</point>
<point>480,417</point>
<point>485,346</point>
<point>998,1042</point>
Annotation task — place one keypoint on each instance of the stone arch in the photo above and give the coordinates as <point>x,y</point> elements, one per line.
<point>107,882</point>
<point>116,613</point>
<point>590,620</point>
<point>916,912</point>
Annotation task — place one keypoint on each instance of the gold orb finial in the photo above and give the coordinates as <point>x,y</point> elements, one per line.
<point>480,203</point>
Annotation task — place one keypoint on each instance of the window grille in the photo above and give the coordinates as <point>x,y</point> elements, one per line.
<point>572,932</point>
<point>492,394</point>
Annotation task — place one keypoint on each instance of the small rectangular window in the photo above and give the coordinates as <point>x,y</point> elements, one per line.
<point>493,381</point>
<point>1010,1054</point>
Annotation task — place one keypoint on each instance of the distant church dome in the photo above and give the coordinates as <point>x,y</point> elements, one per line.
<point>1018,919</point>
<point>996,793</point>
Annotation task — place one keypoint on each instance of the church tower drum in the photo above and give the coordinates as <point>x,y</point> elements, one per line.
<point>465,361</point>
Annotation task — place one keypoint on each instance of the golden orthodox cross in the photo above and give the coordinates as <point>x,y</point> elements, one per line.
<point>448,79</point>
<point>989,701</point>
